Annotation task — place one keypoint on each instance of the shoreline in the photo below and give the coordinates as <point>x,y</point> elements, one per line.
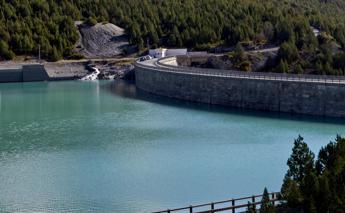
<point>12,71</point>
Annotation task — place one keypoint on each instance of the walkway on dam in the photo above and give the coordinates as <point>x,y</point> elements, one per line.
<point>169,64</point>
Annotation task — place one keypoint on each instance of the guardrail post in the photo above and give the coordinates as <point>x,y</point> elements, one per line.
<point>233,205</point>
<point>168,210</point>
<point>273,197</point>
<point>190,209</point>
<point>212,206</point>
<point>253,201</point>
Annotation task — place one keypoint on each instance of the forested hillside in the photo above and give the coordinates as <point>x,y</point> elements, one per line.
<point>198,24</point>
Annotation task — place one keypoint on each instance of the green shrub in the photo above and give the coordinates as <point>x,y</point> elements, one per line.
<point>246,66</point>
<point>91,21</point>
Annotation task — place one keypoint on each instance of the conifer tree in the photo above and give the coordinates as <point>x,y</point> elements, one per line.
<point>299,69</point>
<point>290,192</point>
<point>282,67</point>
<point>251,208</point>
<point>300,161</point>
<point>266,205</point>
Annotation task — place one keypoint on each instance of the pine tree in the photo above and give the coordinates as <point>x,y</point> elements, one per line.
<point>266,205</point>
<point>55,56</point>
<point>300,160</point>
<point>282,67</point>
<point>251,208</point>
<point>239,52</point>
<point>288,51</point>
<point>291,192</point>
<point>299,69</point>
<point>325,195</point>
<point>5,52</point>
<point>316,192</point>
<point>310,206</point>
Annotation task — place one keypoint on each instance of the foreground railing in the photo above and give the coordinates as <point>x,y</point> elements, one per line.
<point>163,67</point>
<point>234,204</point>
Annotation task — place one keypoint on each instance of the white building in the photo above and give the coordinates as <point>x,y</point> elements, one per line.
<point>162,52</point>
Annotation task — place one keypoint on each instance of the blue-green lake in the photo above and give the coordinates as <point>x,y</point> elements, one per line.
<point>103,147</point>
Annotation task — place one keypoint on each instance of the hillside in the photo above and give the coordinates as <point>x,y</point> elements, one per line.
<point>195,24</point>
<point>101,40</point>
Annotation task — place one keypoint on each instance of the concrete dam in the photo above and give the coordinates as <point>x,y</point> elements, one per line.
<point>288,93</point>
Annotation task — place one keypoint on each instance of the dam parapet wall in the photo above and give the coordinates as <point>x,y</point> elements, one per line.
<point>311,95</point>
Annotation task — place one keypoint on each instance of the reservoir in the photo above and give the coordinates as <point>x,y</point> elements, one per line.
<point>103,146</point>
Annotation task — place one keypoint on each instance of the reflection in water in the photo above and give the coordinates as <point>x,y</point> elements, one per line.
<point>106,147</point>
<point>128,90</point>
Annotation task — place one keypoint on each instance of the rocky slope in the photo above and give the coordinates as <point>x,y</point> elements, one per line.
<point>101,40</point>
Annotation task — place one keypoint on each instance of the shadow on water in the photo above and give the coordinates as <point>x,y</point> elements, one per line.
<point>128,89</point>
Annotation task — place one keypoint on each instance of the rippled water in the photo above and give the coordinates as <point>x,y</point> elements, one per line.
<point>102,147</point>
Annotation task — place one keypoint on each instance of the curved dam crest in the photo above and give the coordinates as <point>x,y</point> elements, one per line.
<point>321,98</point>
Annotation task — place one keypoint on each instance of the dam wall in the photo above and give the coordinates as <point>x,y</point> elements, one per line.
<point>322,98</point>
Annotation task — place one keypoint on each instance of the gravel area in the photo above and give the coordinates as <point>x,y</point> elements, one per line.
<point>101,40</point>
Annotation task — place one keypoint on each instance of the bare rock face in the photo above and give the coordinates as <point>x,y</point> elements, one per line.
<point>101,40</point>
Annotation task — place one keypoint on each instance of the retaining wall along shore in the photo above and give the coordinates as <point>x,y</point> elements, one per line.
<point>11,75</point>
<point>312,98</point>
<point>29,73</point>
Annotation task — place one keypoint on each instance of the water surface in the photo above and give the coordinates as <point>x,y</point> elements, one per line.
<point>101,147</point>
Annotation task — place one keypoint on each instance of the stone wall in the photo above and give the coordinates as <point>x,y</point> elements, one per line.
<point>312,98</point>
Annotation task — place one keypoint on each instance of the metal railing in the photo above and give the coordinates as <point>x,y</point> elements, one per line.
<point>162,66</point>
<point>245,203</point>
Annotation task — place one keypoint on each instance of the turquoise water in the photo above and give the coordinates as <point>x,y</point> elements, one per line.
<point>102,147</point>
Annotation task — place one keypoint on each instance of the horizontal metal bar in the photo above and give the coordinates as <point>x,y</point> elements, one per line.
<point>159,66</point>
<point>221,202</point>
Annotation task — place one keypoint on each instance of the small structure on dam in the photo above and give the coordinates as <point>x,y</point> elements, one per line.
<point>290,93</point>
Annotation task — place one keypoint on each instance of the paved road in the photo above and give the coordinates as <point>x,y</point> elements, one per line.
<point>273,49</point>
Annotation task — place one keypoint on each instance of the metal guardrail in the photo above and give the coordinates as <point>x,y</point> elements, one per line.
<point>246,202</point>
<point>164,67</point>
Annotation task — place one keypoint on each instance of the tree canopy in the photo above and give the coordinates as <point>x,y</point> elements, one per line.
<point>316,186</point>
<point>26,24</point>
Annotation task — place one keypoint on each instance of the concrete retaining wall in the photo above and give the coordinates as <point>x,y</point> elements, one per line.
<point>27,73</point>
<point>35,72</point>
<point>11,75</point>
<point>312,98</point>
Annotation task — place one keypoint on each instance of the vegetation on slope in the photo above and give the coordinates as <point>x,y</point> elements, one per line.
<point>316,186</point>
<point>197,24</point>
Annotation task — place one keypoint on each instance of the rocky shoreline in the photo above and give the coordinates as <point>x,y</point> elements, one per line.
<point>109,69</point>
